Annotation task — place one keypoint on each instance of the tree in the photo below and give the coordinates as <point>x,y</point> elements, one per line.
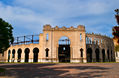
<point>116,48</point>
<point>6,36</point>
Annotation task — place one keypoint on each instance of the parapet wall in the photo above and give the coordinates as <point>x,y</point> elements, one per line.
<point>49,28</point>
<point>100,39</point>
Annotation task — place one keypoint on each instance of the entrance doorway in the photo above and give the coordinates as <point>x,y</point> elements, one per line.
<point>103,55</point>
<point>64,49</point>
<point>27,50</point>
<point>89,55</point>
<point>19,55</point>
<point>108,55</point>
<point>35,56</point>
<point>97,53</point>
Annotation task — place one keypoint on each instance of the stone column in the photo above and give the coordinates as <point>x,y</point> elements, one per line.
<point>16,56</point>
<point>39,57</point>
<point>22,56</point>
<point>93,55</point>
<point>106,56</point>
<point>31,55</point>
<point>101,59</point>
<point>57,59</point>
<point>100,50</point>
<point>110,55</point>
<point>114,56</point>
<point>84,56</point>
<point>93,51</point>
<point>71,54</point>
<point>10,56</point>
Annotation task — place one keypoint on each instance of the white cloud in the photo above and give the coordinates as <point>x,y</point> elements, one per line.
<point>67,6</point>
<point>23,18</point>
<point>33,14</point>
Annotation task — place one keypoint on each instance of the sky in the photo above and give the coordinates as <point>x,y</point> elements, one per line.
<point>28,16</point>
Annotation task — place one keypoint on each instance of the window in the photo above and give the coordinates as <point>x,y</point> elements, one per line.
<point>94,41</point>
<point>46,52</point>
<point>87,40</point>
<point>98,42</point>
<point>81,50</point>
<point>90,40</point>
<point>47,37</point>
<point>13,53</point>
<point>101,41</point>
<point>80,36</point>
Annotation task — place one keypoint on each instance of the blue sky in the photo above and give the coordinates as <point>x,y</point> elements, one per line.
<point>28,16</point>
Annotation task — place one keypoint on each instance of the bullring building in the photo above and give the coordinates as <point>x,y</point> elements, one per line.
<point>63,44</point>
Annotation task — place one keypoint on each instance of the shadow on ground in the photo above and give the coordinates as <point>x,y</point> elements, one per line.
<point>53,71</point>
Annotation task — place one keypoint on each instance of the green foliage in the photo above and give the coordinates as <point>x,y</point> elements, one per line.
<point>116,48</point>
<point>115,31</point>
<point>6,36</point>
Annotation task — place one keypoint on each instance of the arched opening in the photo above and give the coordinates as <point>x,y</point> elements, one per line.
<point>19,55</point>
<point>27,50</point>
<point>97,53</point>
<point>89,55</point>
<point>108,55</point>
<point>9,55</point>
<point>81,50</point>
<point>64,49</point>
<point>35,56</point>
<point>111,56</point>
<point>47,50</point>
<point>13,55</point>
<point>103,55</point>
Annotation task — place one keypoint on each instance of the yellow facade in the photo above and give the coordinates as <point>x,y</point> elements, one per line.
<point>83,47</point>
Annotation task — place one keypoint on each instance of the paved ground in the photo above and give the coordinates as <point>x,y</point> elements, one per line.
<point>62,70</point>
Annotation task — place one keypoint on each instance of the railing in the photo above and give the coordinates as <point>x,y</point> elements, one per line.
<point>26,39</point>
